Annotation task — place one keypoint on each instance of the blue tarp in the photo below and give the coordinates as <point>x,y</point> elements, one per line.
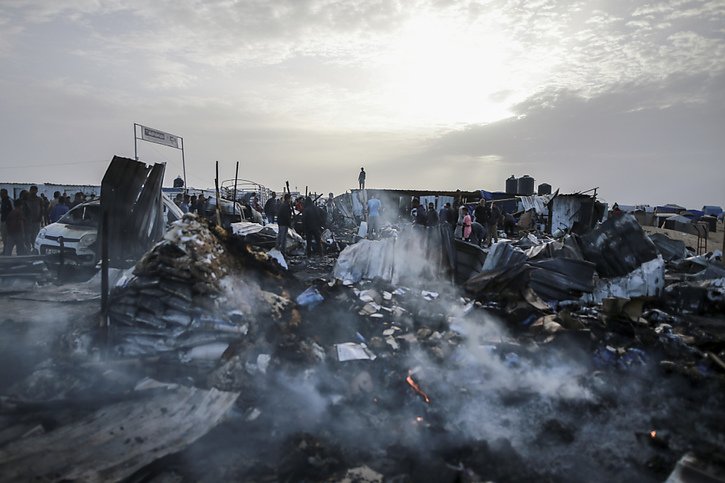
<point>669,209</point>
<point>712,210</point>
<point>694,215</point>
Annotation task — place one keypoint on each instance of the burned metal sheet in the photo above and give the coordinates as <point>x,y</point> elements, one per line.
<point>669,249</point>
<point>561,278</point>
<point>131,200</point>
<point>469,260</point>
<point>115,441</point>
<point>418,252</point>
<point>647,280</point>
<point>618,246</point>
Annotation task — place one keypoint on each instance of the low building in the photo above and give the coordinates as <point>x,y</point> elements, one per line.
<point>48,189</point>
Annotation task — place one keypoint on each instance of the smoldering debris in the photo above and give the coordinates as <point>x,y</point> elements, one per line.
<point>384,368</point>
<point>115,441</point>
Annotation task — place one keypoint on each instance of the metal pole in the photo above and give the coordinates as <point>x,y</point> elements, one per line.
<point>218,207</point>
<point>234,198</point>
<point>183,166</point>
<point>135,142</point>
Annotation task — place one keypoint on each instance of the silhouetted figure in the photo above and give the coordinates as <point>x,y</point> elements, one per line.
<point>271,207</point>
<point>16,225</point>
<point>361,178</point>
<point>5,210</point>
<point>431,216</point>
<point>284,221</point>
<point>312,224</point>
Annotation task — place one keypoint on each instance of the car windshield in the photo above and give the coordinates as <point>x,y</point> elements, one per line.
<point>85,215</point>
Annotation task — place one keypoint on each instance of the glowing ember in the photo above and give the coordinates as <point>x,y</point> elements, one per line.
<point>417,388</point>
<point>653,433</point>
<point>419,419</point>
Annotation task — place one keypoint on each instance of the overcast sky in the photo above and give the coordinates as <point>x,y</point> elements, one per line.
<point>627,96</point>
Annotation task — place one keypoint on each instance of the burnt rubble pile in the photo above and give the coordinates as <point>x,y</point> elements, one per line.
<point>182,298</point>
<point>616,259</point>
<point>594,358</point>
<point>403,381</point>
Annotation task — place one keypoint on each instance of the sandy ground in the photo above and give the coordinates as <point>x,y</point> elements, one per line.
<point>714,241</point>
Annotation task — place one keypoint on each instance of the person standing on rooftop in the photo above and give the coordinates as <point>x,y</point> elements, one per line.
<point>361,178</point>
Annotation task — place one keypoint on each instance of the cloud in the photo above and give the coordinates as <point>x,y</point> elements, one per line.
<point>664,132</point>
<point>442,94</point>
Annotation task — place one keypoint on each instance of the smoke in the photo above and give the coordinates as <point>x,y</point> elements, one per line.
<point>546,406</point>
<point>498,402</point>
<point>31,331</point>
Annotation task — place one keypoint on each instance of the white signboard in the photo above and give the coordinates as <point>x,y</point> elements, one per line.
<point>159,137</point>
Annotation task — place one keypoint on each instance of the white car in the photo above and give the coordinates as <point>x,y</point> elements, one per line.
<point>79,230</point>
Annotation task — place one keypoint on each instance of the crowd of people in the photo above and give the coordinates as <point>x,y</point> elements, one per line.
<point>23,217</point>
<point>191,203</point>
<point>479,225</point>
<point>304,213</point>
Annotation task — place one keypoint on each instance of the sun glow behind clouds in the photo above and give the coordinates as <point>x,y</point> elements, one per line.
<point>442,71</point>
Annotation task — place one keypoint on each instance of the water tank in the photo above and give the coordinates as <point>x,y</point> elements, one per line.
<point>544,189</point>
<point>511,185</point>
<point>525,185</point>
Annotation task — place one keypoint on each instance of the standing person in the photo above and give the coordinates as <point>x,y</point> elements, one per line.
<point>16,225</point>
<point>254,203</point>
<point>481,212</point>
<point>414,210</point>
<point>201,205</point>
<point>463,225</point>
<point>77,199</point>
<point>443,214</point>
<point>492,224</point>
<point>271,207</point>
<point>467,224</point>
<point>431,217</point>
<point>420,215</point>
<point>312,225</point>
<point>373,216</point>
<point>184,205</point>
<point>299,204</point>
<point>284,221</point>
<point>60,209</point>
<point>46,209</point>
<point>361,178</point>
<point>53,203</point>
<point>447,215</point>
<point>509,225</point>
<point>6,206</point>
<point>34,215</point>
<point>55,200</point>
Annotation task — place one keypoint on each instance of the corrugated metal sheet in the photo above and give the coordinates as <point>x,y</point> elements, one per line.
<point>536,203</point>
<point>131,198</point>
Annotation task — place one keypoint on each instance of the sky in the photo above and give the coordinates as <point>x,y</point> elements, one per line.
<point>627,96</point>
